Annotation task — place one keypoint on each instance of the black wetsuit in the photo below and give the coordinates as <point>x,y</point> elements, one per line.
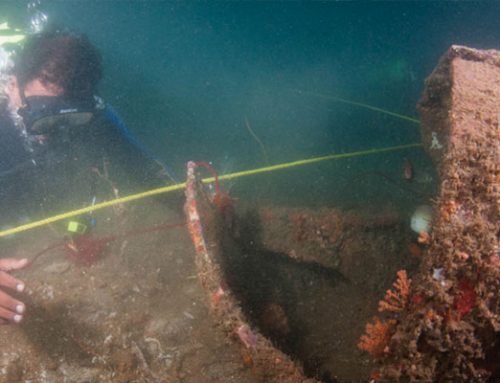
<point>67,168</point>
<point>15,169</point>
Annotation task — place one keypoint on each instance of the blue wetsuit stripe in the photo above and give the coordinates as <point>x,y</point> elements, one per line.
<point>115,119</point>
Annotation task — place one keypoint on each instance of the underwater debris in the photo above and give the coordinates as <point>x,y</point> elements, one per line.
<point>451,330</point>
<point>265,361</point>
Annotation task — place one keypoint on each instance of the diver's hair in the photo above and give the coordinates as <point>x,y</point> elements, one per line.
<point>64,59</point>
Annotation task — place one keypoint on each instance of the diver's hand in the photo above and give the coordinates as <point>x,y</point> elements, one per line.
<point>11,310</point>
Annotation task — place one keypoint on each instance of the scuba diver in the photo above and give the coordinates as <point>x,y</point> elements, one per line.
<point>61,146</point>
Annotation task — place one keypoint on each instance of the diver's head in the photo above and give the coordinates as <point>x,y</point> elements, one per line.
<point>17,93</point>
<point>58,63</point>
<point>56,73</point>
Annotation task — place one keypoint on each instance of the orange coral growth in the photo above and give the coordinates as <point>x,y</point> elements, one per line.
<point>448,208</point>
<point>246,356</point>
<point>377,337</point>
<point>397,300</point>
<point>375,376</point>
<point>217,296</point>
<point>424,238</point>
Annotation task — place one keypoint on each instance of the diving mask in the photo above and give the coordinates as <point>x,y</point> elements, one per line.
<point>44,114</point>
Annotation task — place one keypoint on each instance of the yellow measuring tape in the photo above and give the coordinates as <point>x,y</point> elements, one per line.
<point>359,104</point>
<point>180,186</point>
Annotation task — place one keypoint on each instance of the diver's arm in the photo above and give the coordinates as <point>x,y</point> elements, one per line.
<point>124,151</point>
<point>11,309</point>
<point>159,172</point>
